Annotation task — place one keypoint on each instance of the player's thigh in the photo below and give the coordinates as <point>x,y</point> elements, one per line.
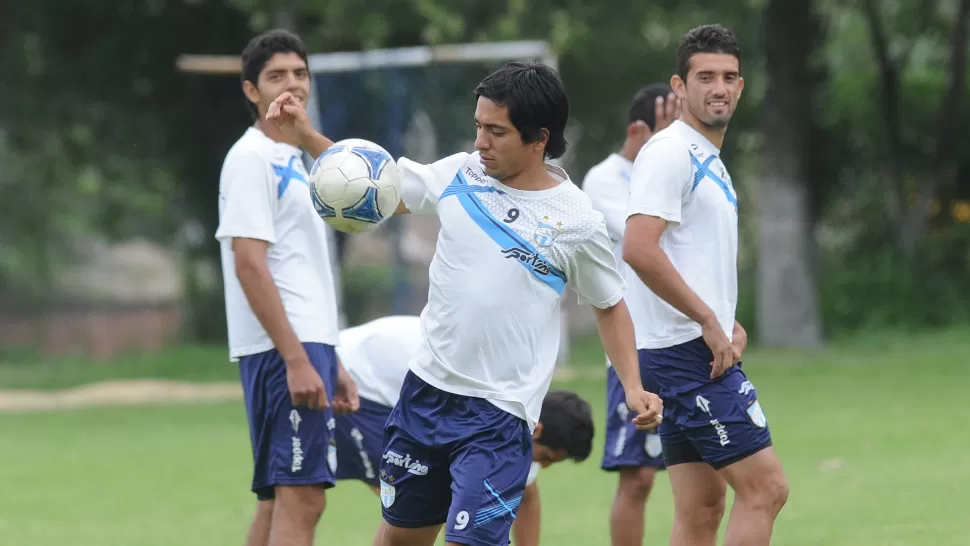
<point>287,441</point>
<point>698,490</point>
<point>489,471</point>
<point>388,535</point>
<point>415,482</point>
<point>359,440</point>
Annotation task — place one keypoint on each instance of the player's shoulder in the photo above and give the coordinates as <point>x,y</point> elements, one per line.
<point>609,170</point>
<point>576,217</point>
<point>667,149</point>
<point>251,146</point>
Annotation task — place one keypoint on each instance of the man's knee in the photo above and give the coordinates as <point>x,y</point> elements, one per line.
<point>305,502</point>
<point>636,483</point>
<point>706,512</point>
<point>759,481</point>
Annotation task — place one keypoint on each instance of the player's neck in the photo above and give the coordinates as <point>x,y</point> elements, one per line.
<point>273,132</point>
<point>713,134</point>
<point>535,178</point>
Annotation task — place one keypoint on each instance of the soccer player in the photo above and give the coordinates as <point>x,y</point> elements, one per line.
<point>682,241</point>
<point>514,233</point>
<point>634,455</point>
<point>376,356</point>
<point>280,303</point>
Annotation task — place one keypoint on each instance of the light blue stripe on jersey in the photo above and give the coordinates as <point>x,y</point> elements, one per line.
<point>704,169</point>
<point>513,246</point>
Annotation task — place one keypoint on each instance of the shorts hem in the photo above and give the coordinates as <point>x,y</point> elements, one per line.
<point>325,482</point>
<point>467,541</point>
<point>621,465</point>
<point>402,524</point>
<point>718,465</point>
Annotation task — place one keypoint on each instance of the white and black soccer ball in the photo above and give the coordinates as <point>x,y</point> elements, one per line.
<point>355,185</point>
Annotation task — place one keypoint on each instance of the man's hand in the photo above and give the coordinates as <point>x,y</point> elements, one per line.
<point>306,385</point>
<point>647,406</point>
<point>739,340</point>
<point>290,116</point>
<point>666,111</point>
<point>720,345</point>
<point>345,397</point>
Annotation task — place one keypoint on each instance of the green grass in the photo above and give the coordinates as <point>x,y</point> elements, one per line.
<point>889,408</point>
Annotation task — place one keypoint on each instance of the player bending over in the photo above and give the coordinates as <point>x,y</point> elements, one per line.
<point>280,304</point>
<point>682,241</point>
<point>634,455</point>
<point>376,356</point>
<point>514,233</point>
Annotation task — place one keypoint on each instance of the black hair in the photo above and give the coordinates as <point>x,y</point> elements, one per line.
<point>567,424</point>
<point>536,99</point>
<point>706,39</point>
<point>262,48</point>
<point>644,104</point>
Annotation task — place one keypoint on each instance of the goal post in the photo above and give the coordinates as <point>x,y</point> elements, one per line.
<point>384,95</point>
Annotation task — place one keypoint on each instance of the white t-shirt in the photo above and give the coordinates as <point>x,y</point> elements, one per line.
<point>533,474</point>
<point>503,258</point>
<point>679,177</point>
<point>263,194</point>
<point>608,186</point>
<point>376,356</point>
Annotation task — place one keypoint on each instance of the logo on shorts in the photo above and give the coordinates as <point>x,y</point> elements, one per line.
<point>295,420</point>
<point>364,457</point>
<point>746,387</point>
<point>297,464</point>
<point>757,415</point>
<point>653,446</point>
<point>387,494</point>
<point>703,404</point>
<point>332,456</point>
<point>404,461</point>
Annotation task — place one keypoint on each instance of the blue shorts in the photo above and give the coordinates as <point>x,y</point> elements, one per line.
<point>717,421</point>
<point>359,437</point>
<point>456,460</point>
<point>291,446</point>
<point>627,447</point>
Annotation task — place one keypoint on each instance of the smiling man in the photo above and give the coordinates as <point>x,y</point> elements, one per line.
<point>681,241</point>
<point>280,303</point>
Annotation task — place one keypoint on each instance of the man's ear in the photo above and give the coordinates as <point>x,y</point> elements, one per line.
<point>537,433</point>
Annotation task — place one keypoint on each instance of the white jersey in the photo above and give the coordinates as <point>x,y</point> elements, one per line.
<point>263,194</point>
<point>608,186</point>
<point>679,177</point>
<point>376,356</point>
<point>533,474</point>
<point>503,258</point>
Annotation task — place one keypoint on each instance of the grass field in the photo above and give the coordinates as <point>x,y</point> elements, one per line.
<point>870,433</point>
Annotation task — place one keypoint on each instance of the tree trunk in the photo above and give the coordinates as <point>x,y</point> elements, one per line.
<point>788,311</point>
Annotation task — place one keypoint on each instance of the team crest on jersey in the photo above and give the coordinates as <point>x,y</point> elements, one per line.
<point>388,493</point>
<point>546,234</point>
<point>757,415</point>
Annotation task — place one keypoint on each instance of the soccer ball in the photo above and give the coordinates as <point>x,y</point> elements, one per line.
<point>355,186</point>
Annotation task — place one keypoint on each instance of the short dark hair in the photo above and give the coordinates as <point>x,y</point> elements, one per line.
<point>262,48</point>
<point>643,107</point>
<point>536,99</point>
<point>706,39</point>
<point>567,424</point>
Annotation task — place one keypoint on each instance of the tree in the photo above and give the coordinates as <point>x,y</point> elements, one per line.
<point>788,310</point>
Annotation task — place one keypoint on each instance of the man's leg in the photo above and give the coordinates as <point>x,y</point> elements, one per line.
<point>415,483</point>
<point>629,506</point>
<point>760,492</point>
<point>262,520</point>
<point>699,497</point>
<point>296,513</point>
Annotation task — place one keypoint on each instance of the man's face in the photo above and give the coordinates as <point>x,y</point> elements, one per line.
<point>283,72</point>
<point>499,143</point>
<point>712,89</point>
<point>543,454</point>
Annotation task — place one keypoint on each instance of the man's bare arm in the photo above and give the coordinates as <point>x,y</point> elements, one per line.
<point>253,273</point>
<point>525,529</point>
